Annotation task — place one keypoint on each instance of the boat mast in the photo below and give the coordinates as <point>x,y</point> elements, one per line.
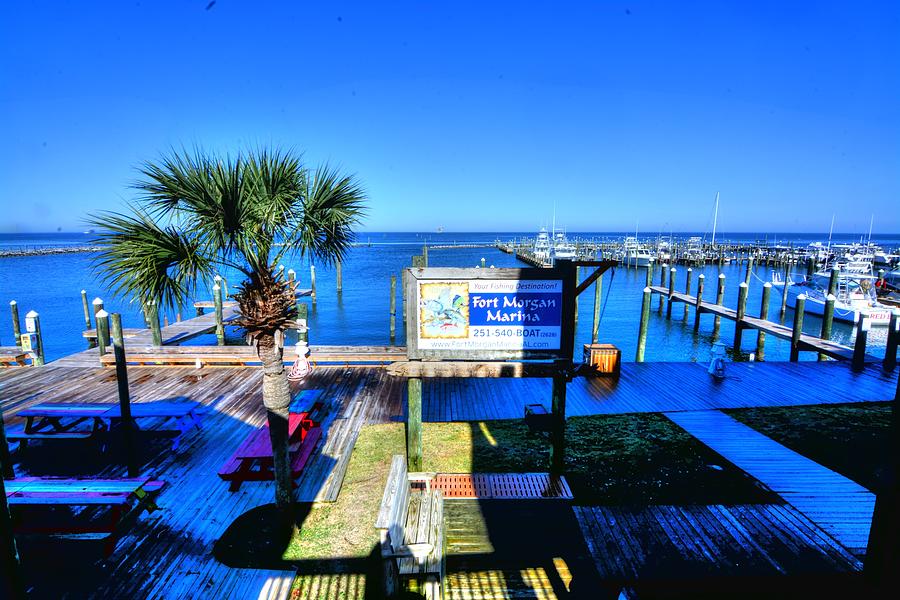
<point>715,219</point>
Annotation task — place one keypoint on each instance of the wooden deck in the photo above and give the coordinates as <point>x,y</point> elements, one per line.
<point>169,553</point>
<point>838,505</point>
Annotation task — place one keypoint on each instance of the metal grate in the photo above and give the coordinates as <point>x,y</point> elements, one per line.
<point>502,486</point>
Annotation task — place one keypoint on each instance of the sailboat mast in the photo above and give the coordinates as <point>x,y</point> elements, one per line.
<point>715,220</point>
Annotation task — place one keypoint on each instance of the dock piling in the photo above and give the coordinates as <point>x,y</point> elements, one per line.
<point>739,317</point>
<point>784,288</point>
<point>687,291</point>
<point>220,324</point>
<point>642,331</point>
<point>701,279</point>
<point>859,346</point>
<point>17,330</point>
<point>663,273</point>
<point>598,290</point>
<point>827,320</point>
<point>671,293</point>
<point>303,317</point>
<point>393,311</point>
<point>340,277</point>
<point>893,339</point>
<point>102,320</point>
<point>797,329</point>
<point>833,281</point>
<point>720,298</point>
<point>764,315</point>
<point>292,277</point>
<point>87,310</point>
<point>312,283</point>
<point>118,342</point>
<point>749,272</point>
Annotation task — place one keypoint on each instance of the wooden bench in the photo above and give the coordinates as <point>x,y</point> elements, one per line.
<point>411,524</point>
<point>124,500</point>
<point>13,356</point>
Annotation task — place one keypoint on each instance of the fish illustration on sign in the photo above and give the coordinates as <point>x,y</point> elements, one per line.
<point>444,310</point>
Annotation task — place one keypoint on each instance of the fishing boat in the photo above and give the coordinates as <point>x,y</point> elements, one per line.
<point>562,247</point>
<point>855,294</point>
<point>635,255</point>
<point>541,248</point>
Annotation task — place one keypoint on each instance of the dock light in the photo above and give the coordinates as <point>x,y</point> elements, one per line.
<point>717,362</point>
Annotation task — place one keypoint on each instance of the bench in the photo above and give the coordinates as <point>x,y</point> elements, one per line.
<point>14,357</point>
<point>411,526</point>
<point>124,499</point>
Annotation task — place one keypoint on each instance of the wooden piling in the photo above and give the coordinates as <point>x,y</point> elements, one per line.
<point>859,345</point>
<point>893,340</point>
<point>127,426</point>
<point>292,278</point>
<point>17,330</point>
<point>810,267</point>
<point>303,316</point>
<point>595,329</point>
<point>483,262</point>
<point>749,271</point>
<point>414,424</point>
<point>671,292</point>
<point>649,275</point>
<point>833,281</point>
<point>558,434</point>
<point>393,313</point>
<point>220,322</point>
<point>340,277</point>
<point>701,279</point>
<point>642,331</point>
<point>720,298</point>
<point>764,315</point>
<point>425,255</point>
<point>312,283</point>
<point>102,321</point>
<point>784,288</point>
<point>575,314</point>
<point>663,275</point>
<point>153,317</point>
<point>827,320</point>
<point>739,316</point>
<point>797,330</point>
<point>87,310</point>
<point>687,291</point>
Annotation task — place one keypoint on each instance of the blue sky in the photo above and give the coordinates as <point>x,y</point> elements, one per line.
<point>474,116</point>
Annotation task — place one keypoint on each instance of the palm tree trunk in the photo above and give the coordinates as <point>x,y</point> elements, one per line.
<point>277,400</point>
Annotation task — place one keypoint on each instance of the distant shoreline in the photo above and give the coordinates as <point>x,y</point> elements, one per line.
<point>11,253</point>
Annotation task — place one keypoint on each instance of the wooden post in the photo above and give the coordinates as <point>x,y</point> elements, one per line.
<point>810,267</point>
<point>701,280</point>
<point>833,281</point>
<point>17,330</point>
<point>340,277</point>
<point>687,291</point>
<point>642,331</point>
<point>784,288</point>
<point>483,262</point>
<point>575,316</point>
<point>797,330</point>
<point>764,315</point>
<point>558,434</point>
<point>87,312</point>
<point>663,275</point>
<point>102,320</point>
<point>393,313</point>
<point>153,316</point>
<point>425,255</point>
<point>33,325</point>
<point>893,340</point>
<point>220,323</point>
<point>292,278</point>
<point>118,342</point>
<point>827,319</point>
<point>97,304</point>
<point>720,298</point>
<point>598,290</point>
<point>312,283</point>
<point>649,274</point>
<point>303,315</point>
<point>414,424</point>
<point>403,277</point>
<point>749,271</point>
<point>739,316</point>
<point>859,346</point>
<point>671,291</point>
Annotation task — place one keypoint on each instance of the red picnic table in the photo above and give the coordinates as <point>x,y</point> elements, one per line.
<point>253,460</point>
<point>30,499</point>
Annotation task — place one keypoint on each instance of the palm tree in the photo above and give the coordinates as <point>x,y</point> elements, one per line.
<point>198,213</point>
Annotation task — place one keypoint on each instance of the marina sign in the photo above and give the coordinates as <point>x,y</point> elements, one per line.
<point>484,314</point>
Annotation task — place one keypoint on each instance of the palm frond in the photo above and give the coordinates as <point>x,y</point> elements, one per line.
<point>267,302</point>
<point>141,259</point>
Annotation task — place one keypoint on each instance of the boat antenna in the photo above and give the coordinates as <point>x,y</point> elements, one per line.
<point>715,219</point>
<point>871,221</point>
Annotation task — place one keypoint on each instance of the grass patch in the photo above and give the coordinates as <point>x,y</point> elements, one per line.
<point>851,439</point>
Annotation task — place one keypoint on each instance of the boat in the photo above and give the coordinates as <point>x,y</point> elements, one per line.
<point>855,293</point>
<point>635,255</point>
<point>693,253</point>
<point>541,248</point>
<point>562,247</point>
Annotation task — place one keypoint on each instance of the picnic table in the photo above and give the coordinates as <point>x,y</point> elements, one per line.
<point>118,500</point>
<point>66,420</point>
<point>253,460</point>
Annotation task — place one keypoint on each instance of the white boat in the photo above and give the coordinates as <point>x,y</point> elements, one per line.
<point>855,294</point>
<point>562,247</point>
<point>636,255</point>
<point>541,248</point>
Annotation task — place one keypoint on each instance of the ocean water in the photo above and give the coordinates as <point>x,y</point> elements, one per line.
<point>51,286</point>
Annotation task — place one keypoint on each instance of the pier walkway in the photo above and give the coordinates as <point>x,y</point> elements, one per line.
<point>807,342</point>
<point>841,507</point>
